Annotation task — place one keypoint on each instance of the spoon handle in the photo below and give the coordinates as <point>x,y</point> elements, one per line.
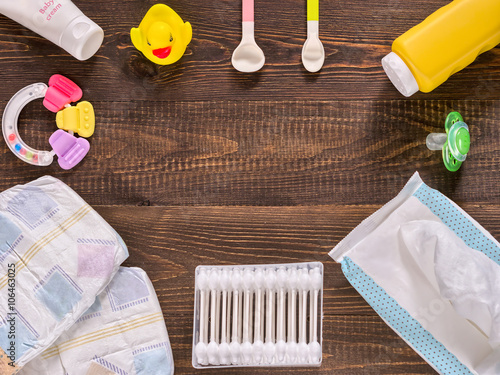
<point>247,8</point>
<point>312,10</point>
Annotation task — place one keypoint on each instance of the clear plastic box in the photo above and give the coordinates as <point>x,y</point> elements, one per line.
<point>258,315</point>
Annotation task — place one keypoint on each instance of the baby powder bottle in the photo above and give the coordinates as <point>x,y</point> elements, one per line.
<point>443,44</point>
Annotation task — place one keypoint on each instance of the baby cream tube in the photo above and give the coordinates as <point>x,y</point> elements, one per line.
<point>60,21</point>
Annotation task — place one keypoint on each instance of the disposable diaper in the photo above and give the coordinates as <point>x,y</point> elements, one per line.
<point>122,333</point>
<point>56,255</point>
<point>433,274</point>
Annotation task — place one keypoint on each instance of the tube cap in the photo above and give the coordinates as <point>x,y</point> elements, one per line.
<point>399,74</point>
<point>82,38</point>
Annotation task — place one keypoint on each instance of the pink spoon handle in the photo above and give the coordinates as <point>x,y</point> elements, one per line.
<point>247,7</point>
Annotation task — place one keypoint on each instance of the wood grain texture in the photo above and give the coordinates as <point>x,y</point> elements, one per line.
<point>178,239</point>
<point>170,242</point>
<point>356,35</point>
<point>266,152</point>
<point>196,163</point>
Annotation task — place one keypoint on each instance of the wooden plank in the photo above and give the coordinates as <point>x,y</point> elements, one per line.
<point>266,152</point>
<point>169,242</point>
<point>356,35</point>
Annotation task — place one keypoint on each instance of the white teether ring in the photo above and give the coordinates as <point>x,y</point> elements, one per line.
<point>10,127</point>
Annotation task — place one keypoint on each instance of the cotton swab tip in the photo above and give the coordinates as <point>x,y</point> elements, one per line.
<point>292,351</point>
<point>315,277</point>
<point>259,278</point>
<point>224,280</point>
<point>269,351</point>
<point>236,279</point>
<point>303,352</point>
<point>258,352</point>
<point>281,350</point>
<point>292,279</point>
<point>213,353</point>
<point>234,347</point>
<point>282,277</point>
<point>247,351</point>
<point>202,279</point>
<point>213,282</point>
<point>201,353</point>
<point>224,353</point>
<point>270,279</point>
<point>315,351</point>
<point>248,279</point>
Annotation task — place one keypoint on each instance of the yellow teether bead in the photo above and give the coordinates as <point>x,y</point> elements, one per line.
<point>79,119</point>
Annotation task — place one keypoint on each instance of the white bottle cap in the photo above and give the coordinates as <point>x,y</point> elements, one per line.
<point>82,38</point>
<point>399,74</point>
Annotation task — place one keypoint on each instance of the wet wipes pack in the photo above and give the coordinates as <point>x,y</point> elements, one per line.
<point>432,273</point>
<point>56,255</point>
<point>123,332</point>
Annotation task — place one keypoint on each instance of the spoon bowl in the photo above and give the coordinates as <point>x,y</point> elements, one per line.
<point>248,57</point>
<point>313,53</point>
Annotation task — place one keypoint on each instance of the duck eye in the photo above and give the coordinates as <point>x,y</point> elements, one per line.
<point>171,37</point>
<point>149,44</point>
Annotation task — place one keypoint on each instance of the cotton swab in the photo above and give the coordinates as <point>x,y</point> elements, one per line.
<point>235,343</point>
<point>314,346</point>
<point>280,321</point>
<point>224,351</point>
<point>246,347</point>
<point>201,347</point>
<point>258,315</point>
<point>292,347</point>
<point>258,344</point>
<point>269,346</point>
<point>213,347</point>
<point>304,288</point>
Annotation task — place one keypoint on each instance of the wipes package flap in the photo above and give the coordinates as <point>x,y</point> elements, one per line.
<point>466,277</point>
<point>56,255</point>
<point>122,333</point>
<point>400,278</point>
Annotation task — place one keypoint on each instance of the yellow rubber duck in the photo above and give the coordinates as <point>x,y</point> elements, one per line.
<point>162,36</point>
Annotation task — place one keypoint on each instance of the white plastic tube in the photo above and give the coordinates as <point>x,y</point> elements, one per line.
<point>60,21</point>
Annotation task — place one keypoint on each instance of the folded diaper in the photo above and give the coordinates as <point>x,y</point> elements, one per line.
<point>56,255</point>
<point>432,273</point>
<point>122,333</point>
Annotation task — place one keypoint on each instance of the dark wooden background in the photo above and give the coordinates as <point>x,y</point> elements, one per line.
<point>196,163</point>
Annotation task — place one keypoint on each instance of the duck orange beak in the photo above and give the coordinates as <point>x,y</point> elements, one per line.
<point>162,53</point>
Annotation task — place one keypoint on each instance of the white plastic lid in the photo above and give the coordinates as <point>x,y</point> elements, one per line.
<point>82,38</point>
<point>399,74</point>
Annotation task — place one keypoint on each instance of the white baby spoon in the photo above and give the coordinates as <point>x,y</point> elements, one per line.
<point>314,346</point>
<point>246,347</point>
<point>248,57</point>
<point>304,288</point>
<point>213,347</point>
<point>313,53</point>
<point>258,344</point>
<point>292,349</point>
<point>281,345</point>
<point>224,351</point>
<point>269,346</point>
<point>201,347</point>
<point>235,342</point>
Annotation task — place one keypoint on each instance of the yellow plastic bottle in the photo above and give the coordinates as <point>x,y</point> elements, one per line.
<point>444,43</point>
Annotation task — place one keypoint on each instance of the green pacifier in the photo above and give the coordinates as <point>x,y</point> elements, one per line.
<point>455,143</point>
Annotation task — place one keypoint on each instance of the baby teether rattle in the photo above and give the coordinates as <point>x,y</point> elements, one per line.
<point>455,143</point>
<point>78,119</point>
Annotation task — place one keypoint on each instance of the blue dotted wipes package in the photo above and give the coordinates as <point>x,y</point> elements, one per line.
<point>432,273</point>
